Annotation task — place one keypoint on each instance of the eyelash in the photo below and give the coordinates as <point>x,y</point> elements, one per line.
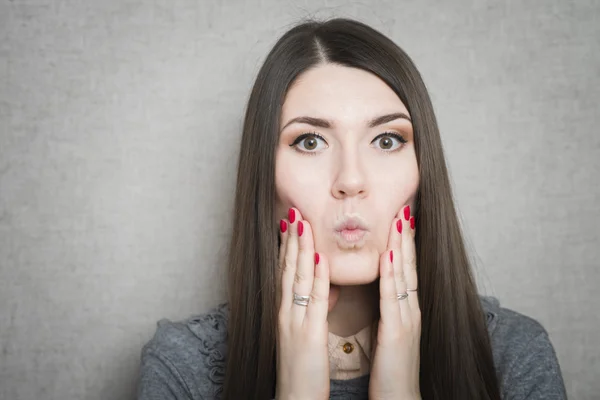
<point>303,136</point>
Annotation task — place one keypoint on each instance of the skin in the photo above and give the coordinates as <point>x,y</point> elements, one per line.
<point>350,171</point>
<point>302,358</point>
<point>347,173</point>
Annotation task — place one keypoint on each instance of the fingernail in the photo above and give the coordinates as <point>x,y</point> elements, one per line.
<point>283,226</point>
<point>300,228</point>
<point>316,258</point>
<point>391,255</point>
<point>412,222</point>
<point>399,226</point>
<point>407,212</point>
<point>292,215</point>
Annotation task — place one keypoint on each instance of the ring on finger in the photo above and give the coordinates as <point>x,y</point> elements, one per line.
<point>402,296</point>
<point>411,290</point>
<point>301,300</point>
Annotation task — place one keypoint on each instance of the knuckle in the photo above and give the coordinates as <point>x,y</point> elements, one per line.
<point>287,264</point>
<point>316,297</point>
<point>281,266</point>
<point>299,277</point>
<point>302,245</point>
<point>389,297</point>
<point>319,282</point>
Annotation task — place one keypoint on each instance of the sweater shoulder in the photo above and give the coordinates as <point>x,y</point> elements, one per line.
<point>194,350</point>
<point>524,357</point>
<point>509,326</point>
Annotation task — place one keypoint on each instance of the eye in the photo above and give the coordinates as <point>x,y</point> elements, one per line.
<point>389,141</point>
<point>309,142</point>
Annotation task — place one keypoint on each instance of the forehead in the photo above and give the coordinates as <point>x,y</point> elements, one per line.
<point>340,93</point>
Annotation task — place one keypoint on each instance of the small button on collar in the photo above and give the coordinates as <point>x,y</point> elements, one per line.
<point>348,348</point>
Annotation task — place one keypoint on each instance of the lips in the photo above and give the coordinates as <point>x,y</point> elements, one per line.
<point>351,232</point>
<point>352,235</point>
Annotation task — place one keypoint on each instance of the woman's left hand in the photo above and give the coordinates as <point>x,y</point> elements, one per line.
<point>395,368</point>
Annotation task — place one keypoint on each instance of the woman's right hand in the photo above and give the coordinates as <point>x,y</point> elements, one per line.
<point>302,356</point>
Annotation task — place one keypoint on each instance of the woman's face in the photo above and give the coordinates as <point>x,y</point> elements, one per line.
<point>350,168</point>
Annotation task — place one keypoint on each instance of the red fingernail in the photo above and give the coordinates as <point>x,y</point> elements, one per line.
<point>300,228</point>
<point>316,258</point>
<point>399,226</point>
<point>407,212</point>
<point>283,226</point>
<point>391,256</point>
<point>412,222</point>
<point>292,215</point>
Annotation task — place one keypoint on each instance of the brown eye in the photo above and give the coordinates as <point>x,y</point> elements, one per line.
<point>386,143</point>
<point>389,141</point>
<point>310,143</point>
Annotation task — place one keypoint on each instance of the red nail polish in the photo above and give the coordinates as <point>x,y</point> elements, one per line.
<point>391,256</point>
<point>300,228</point>
<point>292,215</point>
<point>407,212</point>
<point>283,226</point>
<point>399,226</point>
<point>412,222</point>
<point>316,258</point>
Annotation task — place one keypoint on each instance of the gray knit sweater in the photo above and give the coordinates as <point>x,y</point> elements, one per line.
<point>186,359</point>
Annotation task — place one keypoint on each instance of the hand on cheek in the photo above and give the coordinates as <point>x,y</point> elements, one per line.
<point>395,370</point>
<point>303,297</point>
<point>293,216</point>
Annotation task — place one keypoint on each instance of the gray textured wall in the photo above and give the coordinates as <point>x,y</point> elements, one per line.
<point>119,134</point>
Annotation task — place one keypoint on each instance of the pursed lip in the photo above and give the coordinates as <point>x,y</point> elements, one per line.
<point>351,231</point>
<point>351,223</point>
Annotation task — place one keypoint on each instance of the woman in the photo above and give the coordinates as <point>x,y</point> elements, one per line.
<point>348,276</point>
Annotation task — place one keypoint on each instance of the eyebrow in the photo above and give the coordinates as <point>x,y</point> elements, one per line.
<point>323,123</point>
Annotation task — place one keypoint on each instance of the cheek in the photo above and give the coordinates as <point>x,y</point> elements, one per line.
<point>298,188</point>
<point>284,186</point>
<point>393,190</point>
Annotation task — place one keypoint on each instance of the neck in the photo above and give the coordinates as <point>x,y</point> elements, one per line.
<point>355,308</point>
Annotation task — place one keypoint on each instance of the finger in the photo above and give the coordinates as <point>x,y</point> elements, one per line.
<point>393,238</point>
<point>283,234</point>
<point>289,263</point>
<point>298,229</point>
<point>406,213</point>
<point>405,311</point>
<point>395,244</point>
<point>398,234</point>
<point>318,307</point>
<point>305,267</point>
<point>388,303</point>
<point>402,216</point>
<point>410,262</point>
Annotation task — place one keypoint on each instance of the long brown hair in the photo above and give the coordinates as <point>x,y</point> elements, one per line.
<point>456,356</point>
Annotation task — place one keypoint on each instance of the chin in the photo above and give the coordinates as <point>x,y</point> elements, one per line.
<point>353,268</point>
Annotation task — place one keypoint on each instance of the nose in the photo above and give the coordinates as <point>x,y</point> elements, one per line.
<point>350,177</point>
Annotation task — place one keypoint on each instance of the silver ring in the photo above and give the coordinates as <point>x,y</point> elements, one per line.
<point>402,296</point>
<point>411,290</point>
<point>301,300</point>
